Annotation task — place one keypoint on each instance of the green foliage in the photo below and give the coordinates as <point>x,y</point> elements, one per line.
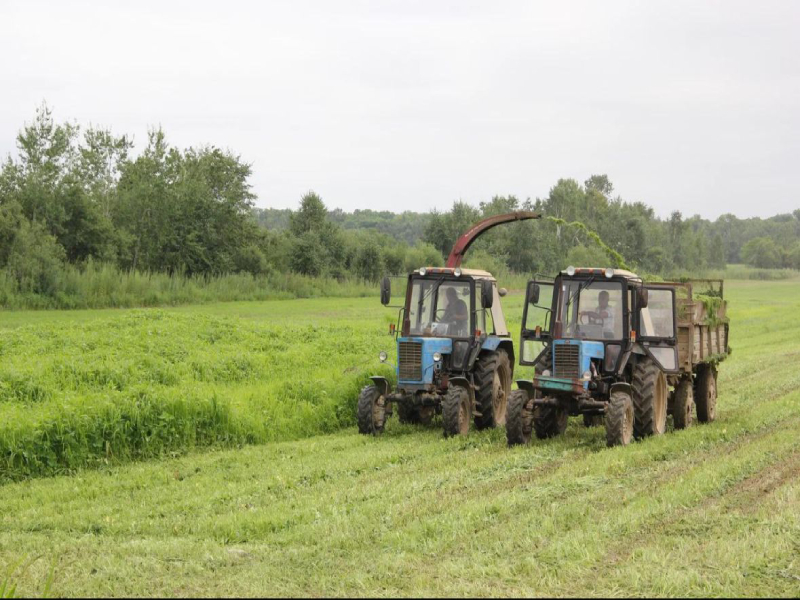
<point>761,252</point>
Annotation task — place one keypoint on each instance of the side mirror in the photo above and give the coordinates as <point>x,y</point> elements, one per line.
<point>644,297</point>
<point>487,293</point>
<point>533,292</point>
<point>386,291</point>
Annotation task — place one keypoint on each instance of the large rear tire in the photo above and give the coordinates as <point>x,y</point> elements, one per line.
<point>619,420</point>
<point>649,399</point>
<point>549,421</point>
<point>683,404</point>
<point>493,373</point>
<point>519,424</point>
<point>705,393</point>
<point>371,412</point>
<point>456,411</point>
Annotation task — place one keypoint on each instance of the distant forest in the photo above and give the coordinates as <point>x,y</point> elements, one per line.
<point>72,198</point>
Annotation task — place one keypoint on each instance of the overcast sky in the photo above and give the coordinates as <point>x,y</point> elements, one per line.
<point>691,106</point>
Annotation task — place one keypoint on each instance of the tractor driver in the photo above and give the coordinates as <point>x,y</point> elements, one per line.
<point>604,314</point>
<point>456,312</point>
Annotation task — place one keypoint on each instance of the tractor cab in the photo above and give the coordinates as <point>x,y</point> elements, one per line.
<point>449,315</point>
<point>580,330</point>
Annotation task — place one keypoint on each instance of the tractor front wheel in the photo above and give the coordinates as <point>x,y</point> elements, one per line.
<point>519,423</point>
<point>619,420</point>
<point>549,421</point>
<point>705,393</point>
<point>456,411</point>
<point>683,404</point>
<point>371,413</point>
<point>649,399</point>
<point>493,374</point>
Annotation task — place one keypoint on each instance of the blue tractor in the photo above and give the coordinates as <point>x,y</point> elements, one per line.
<point>455,356</point>
<point>607,346</point>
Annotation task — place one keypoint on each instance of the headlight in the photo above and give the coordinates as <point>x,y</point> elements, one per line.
<point>383,356</point>
<point>422,271</point>
<point>570,270</point>
<point>437,357</point>
<point>587,375</point>
<point>457,272</point>
<point>546,373</point>
<point>609,273</point>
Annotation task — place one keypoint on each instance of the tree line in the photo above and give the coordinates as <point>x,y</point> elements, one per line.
<point>73,197</point>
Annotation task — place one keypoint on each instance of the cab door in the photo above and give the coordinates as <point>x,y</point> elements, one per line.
<point>537,320</point>
<point>658,326</point>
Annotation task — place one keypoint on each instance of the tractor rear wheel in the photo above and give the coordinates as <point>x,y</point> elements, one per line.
<point>705,393</point>
<point>619,420</point>
<point>592,420</point>
<point>683,403</point>
<point>549,421</point>
<point>649,399</point>
<point>456,411</point>
<point>493,374</point>
<point>415,415</point>
<point>520,418</point>
<point>371,414</point>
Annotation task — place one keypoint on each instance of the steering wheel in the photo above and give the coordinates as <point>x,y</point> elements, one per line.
<point>591,320</point>
<point>438,316</point>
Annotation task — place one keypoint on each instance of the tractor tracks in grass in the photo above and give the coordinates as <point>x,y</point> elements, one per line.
<point>744,495</point>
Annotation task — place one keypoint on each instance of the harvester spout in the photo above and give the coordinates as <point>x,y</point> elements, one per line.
<point>465,241</point>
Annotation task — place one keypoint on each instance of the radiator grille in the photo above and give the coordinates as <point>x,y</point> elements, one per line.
<point>567,361</point>
<point>410,361</point>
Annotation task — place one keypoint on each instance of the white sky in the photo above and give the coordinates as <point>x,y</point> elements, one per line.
<point>693,106</point>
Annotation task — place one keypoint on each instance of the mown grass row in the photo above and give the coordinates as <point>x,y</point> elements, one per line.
<point>146,383</point>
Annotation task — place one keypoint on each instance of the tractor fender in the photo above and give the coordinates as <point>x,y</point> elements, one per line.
<point>527,385</point>
<point>382,384</point>
<point>465,383</point>
<point>493,343</point>
<point>621,386</point>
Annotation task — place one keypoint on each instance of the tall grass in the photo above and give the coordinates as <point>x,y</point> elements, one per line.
<point>148,383</point>
<point>98,285</point>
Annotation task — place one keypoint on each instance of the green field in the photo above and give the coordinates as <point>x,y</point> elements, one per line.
<point>251,480</point>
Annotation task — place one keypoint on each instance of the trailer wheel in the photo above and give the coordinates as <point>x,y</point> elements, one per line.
<point>619,420</point>
<point>592,420</point>
<point>683,403</point>
<point>493,384</point>
<point>705,393</point>
<point>649,399</point>
<point>371,414</point>
<point>520,418</point>
<point>415,415</point>
<point>456,411</point>
<point>549,421</point>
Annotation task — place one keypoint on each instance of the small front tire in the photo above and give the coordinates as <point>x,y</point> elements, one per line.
<point>549,421</point>
<point>519,423</point>
<point>619,420</point>
<point>371,413</point>
<point>456,411</point>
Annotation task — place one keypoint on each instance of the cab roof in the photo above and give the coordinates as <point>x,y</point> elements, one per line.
<point>601,271</point>
<point>474,273</point>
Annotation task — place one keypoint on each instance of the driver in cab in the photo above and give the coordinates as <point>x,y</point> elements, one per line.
<point>603,315</point>
<point>456,312</point>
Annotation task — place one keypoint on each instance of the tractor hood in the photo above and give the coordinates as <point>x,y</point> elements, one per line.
<point>415,364</point>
